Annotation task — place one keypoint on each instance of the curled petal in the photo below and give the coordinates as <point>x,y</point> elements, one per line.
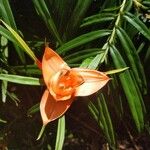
<point>51,63</point>
<point>58,89</point>
<point>63,84</point>
<point>93,81</point>
<point>51,109</point>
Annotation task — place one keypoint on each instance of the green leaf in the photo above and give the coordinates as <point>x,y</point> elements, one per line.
<point>45,14</point>
<point>28,69</point>
<point>101,114</point>
<point>111,9</point>
<point>4,32</point>
<point>131,92</point>
<point>98,18</point>
<point>138,24</point>
<point>6,13</point>
<point>13,97</point>
<point>100,58</point>
<point>82,39</point>
<point>7,16</point>
<point>82,54</point>
<point>35,108</point>
<point>147,56</point>
<point>105,119</point>
<point>20,79</point>
<point>96,60</point>
<point>21,42</point>
<point>4,90</point>
<point>146,2</point>
<point>86,62</point>
<point>60,133</point>
<point>116,70</point>
<point>133,58</point>
<point>128,6</point>
<point>77,15</point>
<point>2,121</point>
<point>95,113</point>
<point>41,132</point>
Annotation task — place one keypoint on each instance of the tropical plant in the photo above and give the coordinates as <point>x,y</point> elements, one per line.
<point>109,36</point>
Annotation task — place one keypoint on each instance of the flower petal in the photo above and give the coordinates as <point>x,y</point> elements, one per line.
<point>93,81</point>
<point>63,84</point>
<point>51,63</point>
<point>51,109</point>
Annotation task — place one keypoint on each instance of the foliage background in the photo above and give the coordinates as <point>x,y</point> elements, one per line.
<point>103,35</point>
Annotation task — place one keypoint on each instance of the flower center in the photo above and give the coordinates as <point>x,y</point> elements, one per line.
<point>65,82</point>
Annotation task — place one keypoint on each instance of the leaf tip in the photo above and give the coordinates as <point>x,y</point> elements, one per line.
<point>41,132</point>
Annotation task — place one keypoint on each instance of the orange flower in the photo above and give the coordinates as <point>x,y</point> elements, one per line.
<point>64,84</point>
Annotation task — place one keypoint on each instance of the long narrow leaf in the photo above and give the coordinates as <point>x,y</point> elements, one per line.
<point>7,16</point>
<point>116,70</point>
<point>86,62</point>
<point>4,32</point>
<point>130,91</point>
<point>28,69</point>
<point>82,39</point>
<point>4,59</point>
<point>35,108</point>
<point>60,133</point>
<point>21,42</point>
<point>133,58</point>
<point>147,56</point>
<point>20,79</point>
<point>96,60</point>
<point>138,24</point>
<point>2,121</point>
<point>77,15</point>
<point>106,120</point>
<point>81,52</point>
<point>4,90</point>
<point>98,18</point>
<point>94,111</point>
<point>82,57</point>
<point>45,14</point>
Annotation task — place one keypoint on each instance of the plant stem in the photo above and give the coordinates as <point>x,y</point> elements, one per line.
<point>112,36</point>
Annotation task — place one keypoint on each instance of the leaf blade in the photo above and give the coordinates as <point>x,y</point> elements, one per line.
<point>82,39</point>
<point>60,133</point>
<point>140,26</point>
<point>20,79</point>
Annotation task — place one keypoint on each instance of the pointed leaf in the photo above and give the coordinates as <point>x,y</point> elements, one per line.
<point>138,24</point>
<point>82,39</point>
<point>133,58</point>
<point>4,90</point>
<point>77,15</point>
<point>35,108</point>
<point>81,55</point>
<point>45,14</point>
<point>133,98</point>
<point>2,121</point>
<point>20,79</point>
<point>7,16</point>
<point>21,43</point>
<point>106,121</point>
<point>60,133</point>
<point>116,70</point>
<point>98,18</point>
